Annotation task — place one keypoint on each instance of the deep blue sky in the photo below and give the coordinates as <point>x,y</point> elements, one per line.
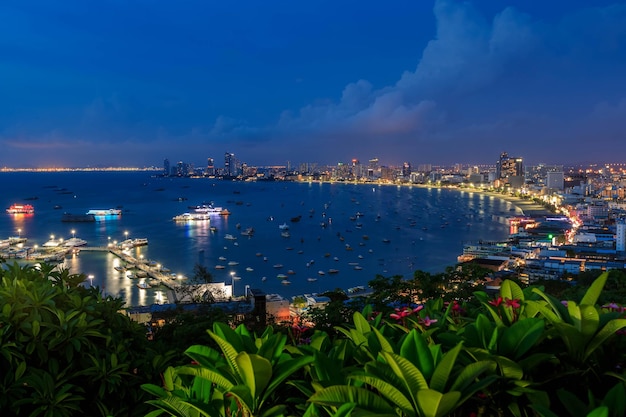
<point>131,82</point>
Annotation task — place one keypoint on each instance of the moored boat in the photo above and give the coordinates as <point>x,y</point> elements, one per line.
<point>21,209</point>
<point>105,212</point>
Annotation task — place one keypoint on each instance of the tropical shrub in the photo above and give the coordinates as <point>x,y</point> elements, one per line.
<point>65,350</point>
<point>519,353</point>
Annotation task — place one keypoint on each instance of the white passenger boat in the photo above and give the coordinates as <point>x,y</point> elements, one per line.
<point>191,217</point>
<point>228,236</point>
<point>105,212</point>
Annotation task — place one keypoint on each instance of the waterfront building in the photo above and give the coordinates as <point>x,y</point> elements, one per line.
<point>166,167</point>
<point>510,170</point>
<point>620,235</point>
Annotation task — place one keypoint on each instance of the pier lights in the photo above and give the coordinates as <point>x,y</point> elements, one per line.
<point>109,240</point>
<point>232,281</point>
<point>91,277</point>
<point>73,233</point>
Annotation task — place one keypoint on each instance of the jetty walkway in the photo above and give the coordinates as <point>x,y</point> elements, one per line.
<point>151,269</point>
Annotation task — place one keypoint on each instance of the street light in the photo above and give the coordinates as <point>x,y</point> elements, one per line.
<point>19,233</point>
<point>232,283</point>
<point>91,279</point>
<point>126,234</point>
<point>73,233</point>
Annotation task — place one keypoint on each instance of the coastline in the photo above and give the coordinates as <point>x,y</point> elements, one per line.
<point>527,207</point>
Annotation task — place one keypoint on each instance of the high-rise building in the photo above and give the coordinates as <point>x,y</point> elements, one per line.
<point>166,167</point>
<point>373,171</point>
<point>555,180</point>
<point>406,170</point>
<point>510,170</point>
<point>229,164</point>
<point>210,167</point>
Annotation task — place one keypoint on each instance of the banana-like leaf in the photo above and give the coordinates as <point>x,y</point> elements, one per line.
<point>589,320</point>
<point>224,331</point>
<point>229,351</point>
<point>594,290</point>
<point>510,290</point>
<point>276,411</point>
<point>412,377</point>
<point>284,370</point>
<point>605,333</point>
<point>441,375</point>
<point>469,374</point>
<point>256,372</point>
<point>415,349</point>
<point>391,393</point>
<point>360,323</point>
<point>520,337</point>
<point>220,380</point>
<point>384,343</point>
<point>204,355</point>
<point>602,411</point>
<point>435,404</point>
<point>338,395</point>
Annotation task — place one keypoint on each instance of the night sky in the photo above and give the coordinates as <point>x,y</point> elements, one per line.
<point>131,82</point>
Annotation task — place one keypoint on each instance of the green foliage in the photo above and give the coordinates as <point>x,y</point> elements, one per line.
<point>65,348</point>
<point>520,353</point>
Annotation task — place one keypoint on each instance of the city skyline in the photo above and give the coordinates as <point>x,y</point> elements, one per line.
<point>442,82</point>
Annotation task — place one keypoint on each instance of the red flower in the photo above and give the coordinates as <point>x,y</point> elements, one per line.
<point>512,303</point>
<point>496,302</point>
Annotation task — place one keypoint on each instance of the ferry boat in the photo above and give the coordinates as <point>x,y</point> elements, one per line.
<point>105,212</point>
<point>208,209</point>
<point>190,217</point>
<point>21,209</point>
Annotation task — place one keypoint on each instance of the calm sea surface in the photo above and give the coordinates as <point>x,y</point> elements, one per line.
<point>400,229</point>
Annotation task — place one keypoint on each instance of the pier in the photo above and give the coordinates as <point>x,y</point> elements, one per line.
<point>13,248</point>
<point>153,271</point>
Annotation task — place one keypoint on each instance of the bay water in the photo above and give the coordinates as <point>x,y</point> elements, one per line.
<point>359,230</point>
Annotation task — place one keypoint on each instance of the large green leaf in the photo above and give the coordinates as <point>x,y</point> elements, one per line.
<point>594,290</point>
<point>435,404</point>
<point>229,351</point>
<point>204,355</point>
<point>338,395</point>
<point>391,392</point>
<point>589,320</point>
<point>410,375</point>
<point>220,380</point>
<point>361,324</point>
<point>605,333</point>
<point>520,337</point>
<point>470,373</point>
<point>284,370</point>
<point>415,349</point>
<point>255,371</point>
<point>441,375</point>
<point>384,343</point>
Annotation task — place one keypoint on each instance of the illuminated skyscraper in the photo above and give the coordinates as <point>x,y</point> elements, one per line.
<point>229,164</point>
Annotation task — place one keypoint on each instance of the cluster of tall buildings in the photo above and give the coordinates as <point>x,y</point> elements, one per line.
<point>507,172</point>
